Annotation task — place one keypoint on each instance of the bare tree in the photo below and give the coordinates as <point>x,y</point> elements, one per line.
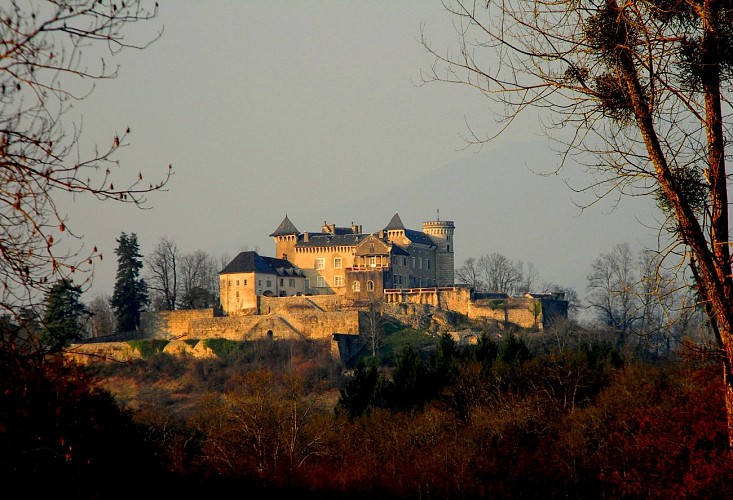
<point>162,275</point>
<point>639,92</point>
<point>198,279</point>
<point>611,289</point>
<point>500,274</point>
<point>41,61</point>
<point>374,326</point>
<point>469,274</point>
<point>102,323</point>
<point>529,279</point>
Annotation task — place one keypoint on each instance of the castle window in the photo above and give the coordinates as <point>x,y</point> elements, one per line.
<point>237,282</point>
<point>404,261</point>
<point>321,282</point>
<point>372,262</point>
<point>291,282</point>
<point>427,264</point>
<point>338,281</point>
<point>413,262</point>
<point>419,263</point>
<point>245,282</point>
<point>370,286</point>
<point>357,287</point>
<point>307,282</point>
<point>269,283</point>
<point>320,263</point>
<point>282,282</point>
<point>229,283</point>
<point>237,294</point>
<point>337,263</point>
<point>447,248</point>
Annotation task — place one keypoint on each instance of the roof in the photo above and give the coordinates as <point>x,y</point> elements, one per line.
<point>395,223</point>
<point>419,237</point>
<point>331,240</point>
<point>286,227</point>
<point>252,262</point>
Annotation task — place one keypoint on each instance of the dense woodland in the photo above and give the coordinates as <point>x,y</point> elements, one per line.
<point>562,412</point>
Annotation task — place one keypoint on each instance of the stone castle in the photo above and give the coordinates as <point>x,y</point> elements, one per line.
<point>321,285</point>
<point>342,261</point>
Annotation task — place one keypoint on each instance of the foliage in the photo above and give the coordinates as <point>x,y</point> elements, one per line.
<point>639,94</point>
<point>64,317</point>
<point>148,348</point>
<point>358,396</point>
<point>57,428</point>
<point>397,340</point>
<point>130,292</point>
<point>569,422</point>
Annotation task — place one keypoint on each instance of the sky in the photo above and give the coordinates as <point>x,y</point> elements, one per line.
<point>314,109</point>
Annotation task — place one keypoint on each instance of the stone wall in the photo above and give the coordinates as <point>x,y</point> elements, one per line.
<point>519,311</point>
<point>281,318</point>
<point>515,310</point>
<point>172,324</point>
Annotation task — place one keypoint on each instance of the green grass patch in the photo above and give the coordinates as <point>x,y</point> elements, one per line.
<point>148,348</point>
<point>396,340</point>
<point>225,347</point>
<point>192,342</point>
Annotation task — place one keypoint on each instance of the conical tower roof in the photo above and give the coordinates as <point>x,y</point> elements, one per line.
<point>286,227</point>
<point>395,223</point>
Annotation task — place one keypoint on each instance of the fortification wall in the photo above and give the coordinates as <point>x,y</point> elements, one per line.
<point>287,319</point>
<point>172,324</point>
<point>452,298</point>
<point>515,310</point>
<point>518,311</point>
<point>269,305</point>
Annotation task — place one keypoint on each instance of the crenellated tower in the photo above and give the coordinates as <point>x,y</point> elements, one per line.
<point>441,233</point>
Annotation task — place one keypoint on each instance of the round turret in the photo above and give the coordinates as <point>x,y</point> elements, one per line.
<point>441,233</point>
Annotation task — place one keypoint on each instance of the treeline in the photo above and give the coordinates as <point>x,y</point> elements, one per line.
<point>555,414</point>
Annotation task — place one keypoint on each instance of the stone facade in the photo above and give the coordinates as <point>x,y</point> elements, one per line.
<point>250,275</point>
<point>346,261</point>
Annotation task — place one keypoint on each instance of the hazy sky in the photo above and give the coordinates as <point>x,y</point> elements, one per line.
<point>314,109</point>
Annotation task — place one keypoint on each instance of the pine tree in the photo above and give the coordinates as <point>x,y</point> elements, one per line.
<point>64,317</point>
<point>130,294</point>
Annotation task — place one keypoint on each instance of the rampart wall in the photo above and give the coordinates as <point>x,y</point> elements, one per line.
<point>280,318</point>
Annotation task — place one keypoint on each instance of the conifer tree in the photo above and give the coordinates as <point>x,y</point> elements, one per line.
<point>130,294</point>
<point>64,317</point>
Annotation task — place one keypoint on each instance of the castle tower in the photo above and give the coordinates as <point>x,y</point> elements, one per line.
<point>286,236</point>
<point>441,232</point>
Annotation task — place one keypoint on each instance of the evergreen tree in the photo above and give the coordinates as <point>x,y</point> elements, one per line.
<point>64,317</point>
<point>130,294</point>
<point>410,381</point>
<point>357,395</point>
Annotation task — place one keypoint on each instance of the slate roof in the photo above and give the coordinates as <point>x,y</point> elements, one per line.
<point>286,227</point>
<point>252,262</point>
<point>330,240</point>
<point>395,223</point>
<point>418,237</point>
